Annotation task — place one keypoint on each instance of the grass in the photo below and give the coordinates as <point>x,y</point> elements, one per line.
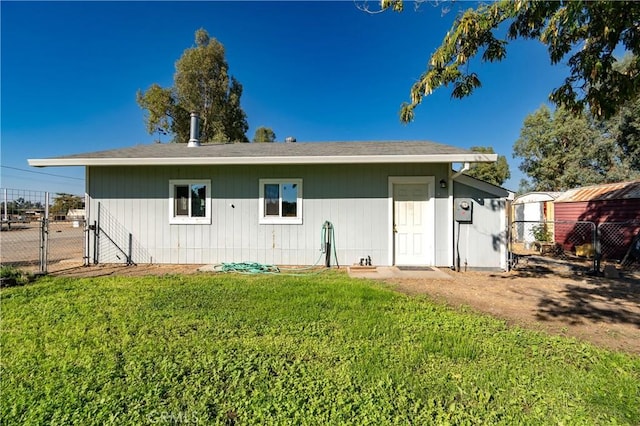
<point>288,350</point>
<point>11,276</point>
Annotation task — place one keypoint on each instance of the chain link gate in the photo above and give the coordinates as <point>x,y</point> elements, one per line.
<point>619,242</point>
<point>570,244</point>
<point>35,238</point>
<point>581,246</point>
<point>112,242</point>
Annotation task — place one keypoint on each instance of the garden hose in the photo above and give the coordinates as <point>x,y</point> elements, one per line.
<point>327,235</point>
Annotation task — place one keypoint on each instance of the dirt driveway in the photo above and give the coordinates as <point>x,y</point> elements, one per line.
<point>600,310</point>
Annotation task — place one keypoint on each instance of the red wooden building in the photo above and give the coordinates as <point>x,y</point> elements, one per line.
<point>614,208</point>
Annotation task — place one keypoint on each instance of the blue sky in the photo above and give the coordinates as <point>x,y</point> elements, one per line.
<point>319,71</point>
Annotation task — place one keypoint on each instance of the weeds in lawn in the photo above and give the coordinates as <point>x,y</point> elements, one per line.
<point>11,276</point>
<point>303,350</point>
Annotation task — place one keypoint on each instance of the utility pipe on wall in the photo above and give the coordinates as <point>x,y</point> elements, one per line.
<point>465,167</point>
<point>194,130</point>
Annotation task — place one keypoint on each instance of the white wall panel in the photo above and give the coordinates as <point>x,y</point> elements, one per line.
<point>353,197</point>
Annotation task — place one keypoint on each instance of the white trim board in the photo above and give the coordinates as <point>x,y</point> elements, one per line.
<point>338,159</point>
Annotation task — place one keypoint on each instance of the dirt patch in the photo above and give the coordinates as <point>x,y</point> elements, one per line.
<point>600,310</point>
<point>104,270</point>
<point>603,311</point>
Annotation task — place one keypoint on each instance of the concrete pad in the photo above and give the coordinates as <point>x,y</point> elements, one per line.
<point>392,272</point>
<point>209,268</point>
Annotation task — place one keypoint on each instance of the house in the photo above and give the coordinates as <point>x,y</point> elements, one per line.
<point>613,208</point>
<point>269,203</point>
<point>75,214</point>
<point>480,241</point>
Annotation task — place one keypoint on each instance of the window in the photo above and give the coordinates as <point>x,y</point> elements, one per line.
<point>190,201</point>
<point>280,201</point>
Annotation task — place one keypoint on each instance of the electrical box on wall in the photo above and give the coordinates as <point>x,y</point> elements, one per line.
<point>463,210</point>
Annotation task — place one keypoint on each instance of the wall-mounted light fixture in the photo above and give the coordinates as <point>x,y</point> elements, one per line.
<point>443,183</point>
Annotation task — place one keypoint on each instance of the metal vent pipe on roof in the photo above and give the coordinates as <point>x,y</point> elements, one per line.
<point>290,139</point>
<point>194,130</point>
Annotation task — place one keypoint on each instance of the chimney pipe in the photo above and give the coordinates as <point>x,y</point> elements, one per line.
<point>194,132</point>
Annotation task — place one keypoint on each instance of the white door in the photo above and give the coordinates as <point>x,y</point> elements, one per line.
<point>411,229</point>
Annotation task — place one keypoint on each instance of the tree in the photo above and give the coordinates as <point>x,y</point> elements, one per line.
<point>63,202</point>
<point>264,134</point>
<point>625,128</point>
<point>495,173</point>
<point>201,84</point>
<point>19,206</point>
<point>561,150</point>
<point>587,32</point>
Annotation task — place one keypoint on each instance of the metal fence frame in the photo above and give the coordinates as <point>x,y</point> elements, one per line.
<point>609,240</point>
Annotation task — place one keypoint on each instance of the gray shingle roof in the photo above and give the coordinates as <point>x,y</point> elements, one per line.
<point>272,153</point>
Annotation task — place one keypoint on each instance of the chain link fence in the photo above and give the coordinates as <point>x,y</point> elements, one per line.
<point>42,231</point>
<point>578,246</point>
<point>620,243</point>
<point>113,243</point>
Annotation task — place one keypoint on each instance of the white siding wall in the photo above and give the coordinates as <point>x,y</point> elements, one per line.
<point>482,243</point>
<point>353,197</point>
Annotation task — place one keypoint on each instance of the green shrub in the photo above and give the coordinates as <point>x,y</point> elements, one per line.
<point>541,233</point>
<point>11,276</point>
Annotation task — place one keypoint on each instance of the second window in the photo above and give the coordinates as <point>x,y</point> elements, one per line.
<point>281,201</point>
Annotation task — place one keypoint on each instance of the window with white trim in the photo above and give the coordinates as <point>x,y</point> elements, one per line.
<point>280,201</point>
<point>189,201</point>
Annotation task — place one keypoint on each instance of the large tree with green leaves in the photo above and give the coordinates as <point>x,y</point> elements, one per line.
<point>624,127</point>
<point>201,84</point>
<point>561,150</point>
<point>264,134</point>
<point>63,202</point>
<point>495,173</point>
<point>584,34</point>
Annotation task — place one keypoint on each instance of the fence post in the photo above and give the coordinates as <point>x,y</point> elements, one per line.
<point>95,242</point>
<point>44,236</point>
<point>129,261</point>
<point>6,218</point>
<point>596,243</point>
<point>41,260</point>
<point>96,238</point>
<point>85,251</point>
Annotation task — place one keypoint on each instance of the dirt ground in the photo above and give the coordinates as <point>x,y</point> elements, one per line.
<point>604,311</point>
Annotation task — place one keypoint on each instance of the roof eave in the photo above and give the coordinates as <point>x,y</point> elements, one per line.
<point>176,161</point>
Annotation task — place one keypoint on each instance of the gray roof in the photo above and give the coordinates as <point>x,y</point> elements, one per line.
<point>273,153</point>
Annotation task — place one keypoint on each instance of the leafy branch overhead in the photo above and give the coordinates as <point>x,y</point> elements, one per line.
<point>587,32</point>
<point>202,84</point>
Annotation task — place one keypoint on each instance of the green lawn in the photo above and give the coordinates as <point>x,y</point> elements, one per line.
<point>272,349</point>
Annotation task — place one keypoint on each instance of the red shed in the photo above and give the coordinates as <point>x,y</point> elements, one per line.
<point>613,207</point>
